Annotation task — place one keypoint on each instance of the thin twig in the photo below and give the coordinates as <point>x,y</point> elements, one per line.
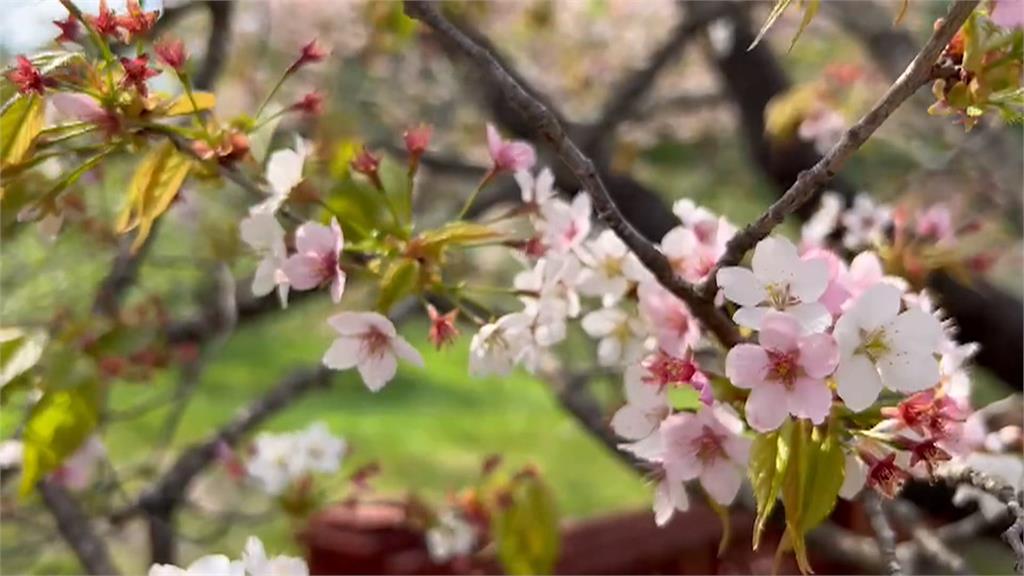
<point>930,544</point>
<point>917,74</point>
<point>76,529</point>
<point>883,532</point>
<point>1014,535</point>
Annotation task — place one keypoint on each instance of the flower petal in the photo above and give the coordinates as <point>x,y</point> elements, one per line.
<point>819,355</point>
<point>810,399</point>
<point>377,370</point>
<point>858,382</point>
<point>359,323</point>
<point>854,478</point>
<point>810,280</point>
<point>780,332</point>
<point>915,331</point>
<point>314,237</point>
<point>406,351</point>
<point>338,286</point>
<point>303,271</point>
<point>909,372</point>
<point>813,316</point>
<point>634,422</point>
<point>750,316</point>
<point>876,306</point>
<point>746,365</point>
<point>343,354</point>
<point>741,286</point>
<point>722,481</point>
<point>767,407</point>
<point>776,260</point>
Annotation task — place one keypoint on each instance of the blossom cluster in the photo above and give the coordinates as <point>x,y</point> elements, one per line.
<point>254,562</point>
<point>279,461</point>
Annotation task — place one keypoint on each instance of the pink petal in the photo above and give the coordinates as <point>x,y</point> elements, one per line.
<point>722,481</point>
<point>746,365</point>
<point>819,355</point>
<point>314,237</point>
<point>338,286</point>
<point>779,332</point>
<point>494,142</point>
<point>767,407</point>
<point>810,399</point>
<point>304,271</point>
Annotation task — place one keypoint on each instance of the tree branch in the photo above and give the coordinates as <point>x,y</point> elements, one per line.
<point>76,529</point>
<point>811,181</point>
<point>883,531</point>
<point>543,123</point>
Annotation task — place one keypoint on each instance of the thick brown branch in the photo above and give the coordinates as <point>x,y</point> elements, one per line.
<point>811,181</point>
<point>545,125</point>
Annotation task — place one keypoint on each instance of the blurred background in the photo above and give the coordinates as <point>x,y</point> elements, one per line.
<point>663,94</point>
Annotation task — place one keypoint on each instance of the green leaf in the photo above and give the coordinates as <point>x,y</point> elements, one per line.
<point>459,234</point>
<point>777,10</point>
<point>58,425</point>
<point>809,12</point>
<point>20,350</point>
<point>399,280</point>
<point>183,105</point>
<point>526,530</point>
<point>20,125</point>
<point>769,459</point>
<point>813,478</point>
<point>726,519</point>
<point>684,398</point>
<point>156,182</point>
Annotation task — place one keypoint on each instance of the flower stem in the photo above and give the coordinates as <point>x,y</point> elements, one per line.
<point>472,197</point>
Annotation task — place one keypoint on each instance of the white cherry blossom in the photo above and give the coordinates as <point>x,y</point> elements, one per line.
<point>319,450</point>
<point>881,347</point>
<point>536,191</point>
<point>865,222</point>
<point>210,565</point>
<point>611,269</point>
<point>779,280</point>
<point>273,465</point>
<point>450,537</point>
<point>621,336</point>
<point>256,562</point>
<point>284,172</point>
<point>368,342</point>
<point>565,225</point>
<point>495,347</point>
<point>264,234</point>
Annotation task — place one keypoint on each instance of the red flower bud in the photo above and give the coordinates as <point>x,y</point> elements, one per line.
<point>136,22</point>
<point>27,77</point>
<point>311,53</point>
<point>136,72</point>
<point>312,103</point>
<point>442,327</point>
<point>417,139</point>
<point>366,162</point>
<point>69,29</point>
<point>930,454</point>
<point>886,477</point>
<point>172,52</point>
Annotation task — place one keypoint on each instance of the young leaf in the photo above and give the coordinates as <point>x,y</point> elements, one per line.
<point>769,458</point>
<point>526,530</point>
<point>20,350</point>
<point>182,105</point>
<point>809,12</point>
<point>399,280</point>
<point>777,10</point>
<point>398,187</point>
<point>60,422</point>
<point>19,125</point>
<point>156,182</point>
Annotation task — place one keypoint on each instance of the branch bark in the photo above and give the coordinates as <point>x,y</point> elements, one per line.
<point>76,529</point>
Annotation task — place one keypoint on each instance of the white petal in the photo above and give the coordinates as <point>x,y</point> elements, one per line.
<point>878,305</point>
<point>858,382</point>
<point>343,354</point>
<point>600,323</point>
<point>813,316</point>
<point>669,496</point>
<point>741,286</point>
<point>775,260</point>
<point>634,422</point>
<point>609,351</point>
<point>378,370</point>
<point>856,474</point>
<point>750,316</point>
<point>909,372</point>
<point>212,565</point>
<point>357,323</point>
<point>406,351</point>
<point>915,331</point>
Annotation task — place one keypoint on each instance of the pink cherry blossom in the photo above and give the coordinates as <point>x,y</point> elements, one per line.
<point>706,445</point>
<point>565,226</point>
<point>673,325</point>
<point>785,373</point>
<point>368,342</point>
<point>935,224</point>
<point>316,261</point>
<point>509,155</point>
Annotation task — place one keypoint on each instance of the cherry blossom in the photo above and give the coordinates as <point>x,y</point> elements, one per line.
<point>317,450</point>
<point>785,373</point>
<point>284,172</point>
<point>935,224</point>
<point>1008,13</point>
<point>662,370</point>
<point>865,222</point>
<point>708,445</point>
<point>565,225</point>
<point>692,215</point>
<point>171,52</point>
<point>836,293</point>
<point>316,261</point>
<point>550,286</point>
<point>256,562</point>
<point>671,322</point>
<point>311,53</point>
<point>496,346</point>
<point>621,336</point>
<point>368,342</point>
<point>823,127</point>
<point>611,269</point>
<point>509,155</point>
<point>536,191</point>
<point>880,346</point>
<point>646,405</point>
<point>273,466</point>
<point>450,537</point>
<point>855,476</point>
<point>264,234</point>
<point>886,476</point>
<point>690,258</point>
<point>780,280</point>
<point>311,103</point>
<point>210,565</point>
<point>137,72</point>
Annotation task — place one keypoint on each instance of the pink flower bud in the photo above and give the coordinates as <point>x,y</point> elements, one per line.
<point>509,155</point>
<point>312,103</point>
<point>172,52</point>
<point>311,53</point>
